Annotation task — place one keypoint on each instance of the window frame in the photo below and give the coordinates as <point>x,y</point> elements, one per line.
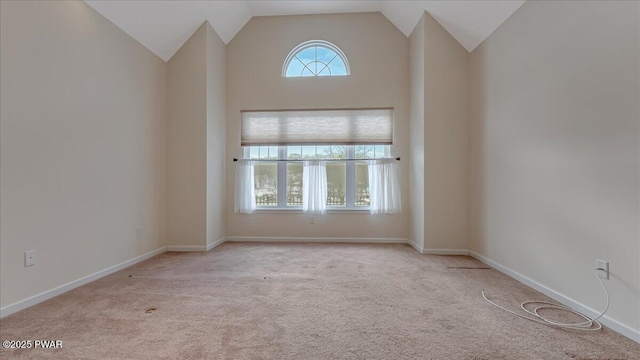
<point>350,180</point>
<point>311,43</point>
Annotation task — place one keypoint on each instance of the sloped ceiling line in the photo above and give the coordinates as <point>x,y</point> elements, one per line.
<point>164,26</point>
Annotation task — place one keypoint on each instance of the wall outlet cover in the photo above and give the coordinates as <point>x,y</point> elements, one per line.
<point>29,258</point>
<point>601,264</point>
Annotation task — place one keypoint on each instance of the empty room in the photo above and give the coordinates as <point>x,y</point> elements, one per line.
<point>319,179</point>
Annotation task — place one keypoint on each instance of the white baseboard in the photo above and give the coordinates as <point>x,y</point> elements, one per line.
<point>216,243</point>
<point>318,240</point>
<point>196,248</point>
<point>422,250</point>
<point>46,295</point>
<point>417,247</point>
<point>446,252</point>
<point>187,248</point>
<point>614,325</point>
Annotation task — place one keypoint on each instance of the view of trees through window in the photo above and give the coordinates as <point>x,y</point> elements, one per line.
<point>267,182</point>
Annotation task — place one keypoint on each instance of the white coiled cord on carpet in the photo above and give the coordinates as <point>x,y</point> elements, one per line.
<point>588,324</point>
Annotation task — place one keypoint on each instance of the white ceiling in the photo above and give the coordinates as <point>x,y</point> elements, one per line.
<point>163,26</point>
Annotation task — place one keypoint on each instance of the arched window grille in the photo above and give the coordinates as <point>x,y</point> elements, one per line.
<point>316,58</point>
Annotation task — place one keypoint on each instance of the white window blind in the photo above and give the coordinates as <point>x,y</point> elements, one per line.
<point>317,127</point>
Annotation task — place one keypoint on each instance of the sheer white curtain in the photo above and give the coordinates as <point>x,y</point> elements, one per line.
<point>314,187</point>
<point>384,187</point>
<point>245,190</point>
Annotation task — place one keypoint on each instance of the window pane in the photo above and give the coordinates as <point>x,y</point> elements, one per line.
<point>307,55</point>
<point>372,151</point>
<point>295,68</point>
<point>294,184</point>
<point>266,184</point>
<point>273,152</point>
<point>325,54</point>
<point>263,152</point>
<point>294,152</point>
<point>308,152</point>
<point>336,179</point>
<point>365,152</point>
<point>324,71</point>
<point>323,152</point>
<point>337,67</point>
<point>381,151</point>
<point>254,152</point>
<point>307,72</point>
<point>339,152</point>
<point>362,185</point>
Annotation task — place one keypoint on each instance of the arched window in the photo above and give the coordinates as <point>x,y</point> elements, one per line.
<point>315,58</point>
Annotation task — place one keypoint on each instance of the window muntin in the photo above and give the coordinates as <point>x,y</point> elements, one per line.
<point>279,184</point>
<point>315,58</point>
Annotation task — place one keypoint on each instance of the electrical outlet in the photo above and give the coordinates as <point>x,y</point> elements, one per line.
<point>29,258</point>
<point>313,220</point>
<point>138,233</point>
<point>604,265</point>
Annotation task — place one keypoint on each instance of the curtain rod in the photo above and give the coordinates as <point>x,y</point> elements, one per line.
<point>302,160</point>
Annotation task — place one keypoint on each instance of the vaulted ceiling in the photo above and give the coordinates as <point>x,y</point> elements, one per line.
<point>163,26</point>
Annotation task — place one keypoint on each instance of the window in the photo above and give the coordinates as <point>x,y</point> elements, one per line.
<point>285,142</point>
<point>315,58</point>
<point>278,184</point>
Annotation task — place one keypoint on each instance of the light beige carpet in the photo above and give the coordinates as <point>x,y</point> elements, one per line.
<point>301,301</point>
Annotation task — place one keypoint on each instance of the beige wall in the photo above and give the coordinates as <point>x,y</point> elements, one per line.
<point>439,138</point>
<point>446,139</point>
<point>188,142</point>
<point>416,171</point>
<point>83,146</point>
<point>555,144</point>
<point>379,57</point>
<point>197,139</point>
<point>216,136</point>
